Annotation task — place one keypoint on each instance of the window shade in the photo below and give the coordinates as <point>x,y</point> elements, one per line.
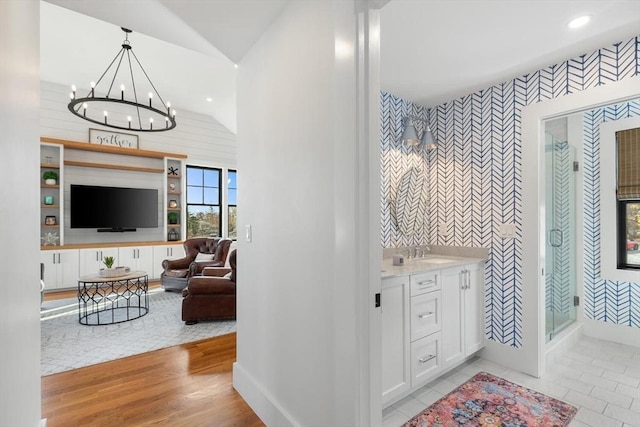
<point>628,143</point>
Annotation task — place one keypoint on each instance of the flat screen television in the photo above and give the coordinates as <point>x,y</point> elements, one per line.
<point>113,208</point>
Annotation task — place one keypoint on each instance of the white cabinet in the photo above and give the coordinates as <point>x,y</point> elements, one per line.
<point>463,320</point>
<point>162,252</point>
<point>431,322</point>
<point>91,260</point>
<point>396,374</point>
<point>61,268</point>
<point>137,258</point>
<point>426,320</point>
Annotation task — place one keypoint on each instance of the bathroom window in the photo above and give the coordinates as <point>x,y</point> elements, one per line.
<point>203,201</point>
<point>628,195</point>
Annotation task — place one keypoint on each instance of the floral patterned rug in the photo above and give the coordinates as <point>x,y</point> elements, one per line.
<point>487,400</point>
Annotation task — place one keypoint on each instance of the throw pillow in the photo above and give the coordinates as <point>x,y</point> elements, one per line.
<point>204,257</point>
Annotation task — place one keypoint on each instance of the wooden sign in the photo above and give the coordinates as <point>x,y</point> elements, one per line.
<point>114,139</point>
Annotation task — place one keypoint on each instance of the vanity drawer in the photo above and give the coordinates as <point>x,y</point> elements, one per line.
<point>426,359</point>
<point>426,314</point>
<point>424,282</point>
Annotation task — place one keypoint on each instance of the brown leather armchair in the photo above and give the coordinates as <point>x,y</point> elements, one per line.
<point>200,252</point>
<point>211,295</point>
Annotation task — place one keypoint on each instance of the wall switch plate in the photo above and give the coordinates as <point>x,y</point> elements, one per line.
<point>507,230</point>
<point>247,233</point>
<point>443,228</point>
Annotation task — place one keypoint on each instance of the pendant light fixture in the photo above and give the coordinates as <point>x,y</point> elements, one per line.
<point>410,134</point>
<point>123,109</point>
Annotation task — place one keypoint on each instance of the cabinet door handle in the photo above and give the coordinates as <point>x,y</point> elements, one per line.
<point>58,257</point>
<point>427,283</point>
<point>427,358</point>
<point>97,256</point>
<point>468,273</point>
<point>54,257</point>
<point>425,315</point>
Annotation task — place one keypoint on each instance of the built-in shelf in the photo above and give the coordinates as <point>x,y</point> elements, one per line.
<point>50,226</point>
<point>174,192</point>
<point>111,166</point>
<point>49,166</point>
<point>50,206</point>
<point>174,209</point>
<point>78,145</point>
<point>169,176</point>
<point>49,186</point>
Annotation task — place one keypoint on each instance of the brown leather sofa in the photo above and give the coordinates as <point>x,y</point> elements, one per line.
<point>200,252</point>
<point>212,295</point>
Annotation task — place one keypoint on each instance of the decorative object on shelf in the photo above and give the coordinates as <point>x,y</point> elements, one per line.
<point>173,217</point>
<point>50,239</point>
<point>50,220</point>
<point>173,204</point>
<point>172,186</point>
<point>108,261</point>
<point>117,139</point>
<point>173,235</point>
<point>89,107</point>
<point>48,160</point>
<point>50,177</point>
<point>173,171</point>
<point>114,272</point>
<point>48,200</point>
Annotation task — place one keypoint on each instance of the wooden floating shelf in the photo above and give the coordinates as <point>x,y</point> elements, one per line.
<point>79,145</point>
<point>174,176</point>
<point>51,226</point>
<point>174,192</point>
<point>50,206</point>
<point>49,166</point>
<point>174,209</point>
<point>49,186</point>
<point>110,166</point>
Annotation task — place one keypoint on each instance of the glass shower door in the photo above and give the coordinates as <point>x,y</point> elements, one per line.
<point>560,268</point>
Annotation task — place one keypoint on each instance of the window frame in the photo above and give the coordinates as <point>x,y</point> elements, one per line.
<point>229,205</point>
<point>622,234</point>
<point>220,198</point>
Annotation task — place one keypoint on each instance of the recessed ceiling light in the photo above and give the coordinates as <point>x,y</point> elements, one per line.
<point>581,21</point>
<point>209,99</point>
<point>235,65</point>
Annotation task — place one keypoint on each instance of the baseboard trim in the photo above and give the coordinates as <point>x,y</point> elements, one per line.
<point>43,423</point>
<point>621,334</point>
<point>262,403</point>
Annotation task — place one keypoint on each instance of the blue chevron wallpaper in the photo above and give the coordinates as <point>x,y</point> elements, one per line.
<point>606,300</point>
<point>474,177</point>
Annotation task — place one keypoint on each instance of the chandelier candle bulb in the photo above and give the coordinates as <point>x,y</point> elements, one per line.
<point>93,86</point>
<point>122,92</point>
<point>129,120</point>
<point>150,122</point>
<point>84,105</point>
<point>150,98</point>
<point>105,117</point>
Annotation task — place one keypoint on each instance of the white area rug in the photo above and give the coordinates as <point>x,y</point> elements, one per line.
<point>66,344</point>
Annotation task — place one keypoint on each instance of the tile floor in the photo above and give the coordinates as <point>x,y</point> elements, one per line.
<point>600,378</point>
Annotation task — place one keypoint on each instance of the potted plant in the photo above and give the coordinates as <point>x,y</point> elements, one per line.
<point>173,217</point>
<point>108,261</point>
<point>50,177</point>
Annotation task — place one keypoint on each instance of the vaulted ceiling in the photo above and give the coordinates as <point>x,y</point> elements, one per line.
<point>432,51</point>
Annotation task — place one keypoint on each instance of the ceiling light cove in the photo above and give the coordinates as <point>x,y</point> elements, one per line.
<point>579,22</point>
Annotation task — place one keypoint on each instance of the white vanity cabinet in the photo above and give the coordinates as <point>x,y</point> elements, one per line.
<point>463,319</point>
<point>396,374</point>
<point>60,268</point>
<point>431,321</point>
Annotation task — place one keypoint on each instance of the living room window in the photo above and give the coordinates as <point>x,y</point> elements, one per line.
<point>628,195</point>
<point>203,201</point>
<point>232,204</point>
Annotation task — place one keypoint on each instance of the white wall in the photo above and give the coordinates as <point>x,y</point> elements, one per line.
<point>19,214</point>
<point>297,361</point>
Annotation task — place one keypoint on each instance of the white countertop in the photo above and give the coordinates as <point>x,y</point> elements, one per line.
<point>417,265</point>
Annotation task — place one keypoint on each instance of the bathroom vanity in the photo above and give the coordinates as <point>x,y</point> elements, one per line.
<point>432,319</point>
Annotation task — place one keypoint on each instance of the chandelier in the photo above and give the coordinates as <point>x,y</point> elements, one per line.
<point>124,110</point>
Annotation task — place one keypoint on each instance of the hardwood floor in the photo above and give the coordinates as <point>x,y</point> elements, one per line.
<point>188,385</point>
